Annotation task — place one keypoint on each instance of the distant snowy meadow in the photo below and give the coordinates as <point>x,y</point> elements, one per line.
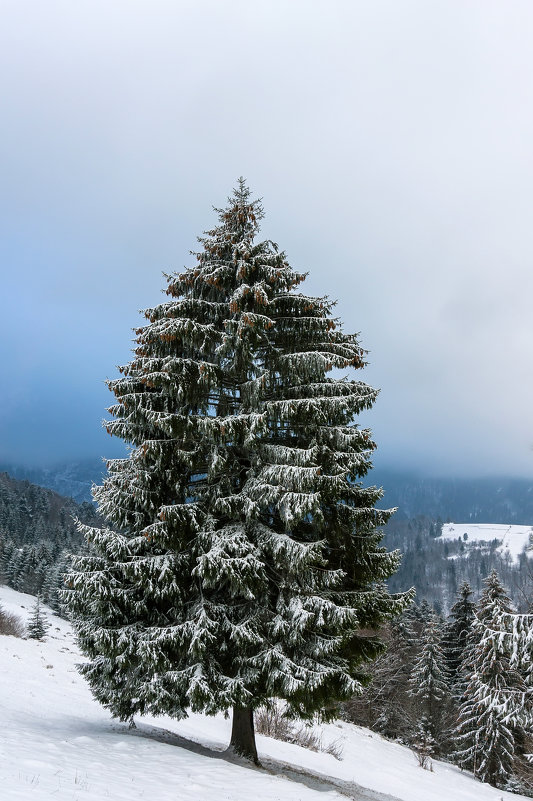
<point>513,539</point>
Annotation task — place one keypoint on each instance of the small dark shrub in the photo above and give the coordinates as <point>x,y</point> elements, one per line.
<point>11,624</point>
<point>273,723</point>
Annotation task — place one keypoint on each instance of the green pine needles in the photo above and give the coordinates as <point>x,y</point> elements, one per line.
<point>242,561</point>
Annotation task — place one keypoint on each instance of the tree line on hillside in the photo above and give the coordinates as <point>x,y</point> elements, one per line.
<point>476,500</point>
<point>438,567</point>
<point>38,533</point>
<point>71,479</point>
<point>458,688</point>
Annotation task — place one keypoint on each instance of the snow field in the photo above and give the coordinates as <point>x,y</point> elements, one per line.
<point>56,742</point>
<point>513,539</point>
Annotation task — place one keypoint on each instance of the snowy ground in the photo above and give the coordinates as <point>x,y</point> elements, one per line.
<point>57,743</point>
<point>513,539</point>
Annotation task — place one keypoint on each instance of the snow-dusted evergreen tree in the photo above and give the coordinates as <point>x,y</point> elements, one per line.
<point>456,633</point>
<point>55,582</point>
<point>492,707</point>
<point>37,624</point>
<point>242,560</point>
<point>429,682</point>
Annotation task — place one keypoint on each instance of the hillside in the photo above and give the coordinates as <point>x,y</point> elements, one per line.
<point>474,500</point>
<point>70,479</point>
<point>29,512</point>
<point>436,566</point>
<point>37,532</point>
<point>57,742</point>
<point>512,540</point>
<point>483,500</point>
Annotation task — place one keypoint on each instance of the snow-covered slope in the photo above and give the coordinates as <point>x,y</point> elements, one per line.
<point>56,742</point>
<point>513,539</point>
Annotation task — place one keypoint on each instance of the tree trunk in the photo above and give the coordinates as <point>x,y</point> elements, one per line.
<point>243,734</point>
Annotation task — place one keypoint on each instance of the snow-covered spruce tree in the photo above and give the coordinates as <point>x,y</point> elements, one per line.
<point>494,701</point>
<point>37,623</point>
<point>429,681</point>
<point>456,633</point>
<point>55,582</point>
<point>242,561</point>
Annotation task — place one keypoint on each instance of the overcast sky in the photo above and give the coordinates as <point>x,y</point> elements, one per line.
<point>391,142</point>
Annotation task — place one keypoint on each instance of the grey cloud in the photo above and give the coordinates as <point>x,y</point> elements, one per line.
<point>391,142</point>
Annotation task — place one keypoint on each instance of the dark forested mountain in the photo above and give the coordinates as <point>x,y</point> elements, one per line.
<point>37,533</point>
<point>472,500</point>
<point>70,479</point>
<point>469,500</point>
<point>437,567</point>
<point>434,566</point>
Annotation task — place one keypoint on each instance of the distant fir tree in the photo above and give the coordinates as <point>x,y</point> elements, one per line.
<point>55,582</point>
<point>242,560</point>
<point>429,681</point>
<point>412,623</point>
<point>37,624</point>
<point>423,612</point>
<point>494,698</point>
<point>456,633</point>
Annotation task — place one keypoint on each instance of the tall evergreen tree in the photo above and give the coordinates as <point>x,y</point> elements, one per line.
<point>490,711</point>
<point>242,560</point>
<point>456,634</point>
<point>55,581</point>
<point>429,682</point>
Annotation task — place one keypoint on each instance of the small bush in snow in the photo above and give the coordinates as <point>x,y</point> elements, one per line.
<point>11,624</point>
<point>273,723</point>
<point>423,759</point>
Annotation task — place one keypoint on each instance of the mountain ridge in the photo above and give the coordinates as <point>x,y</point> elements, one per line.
<point>497,499</point>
